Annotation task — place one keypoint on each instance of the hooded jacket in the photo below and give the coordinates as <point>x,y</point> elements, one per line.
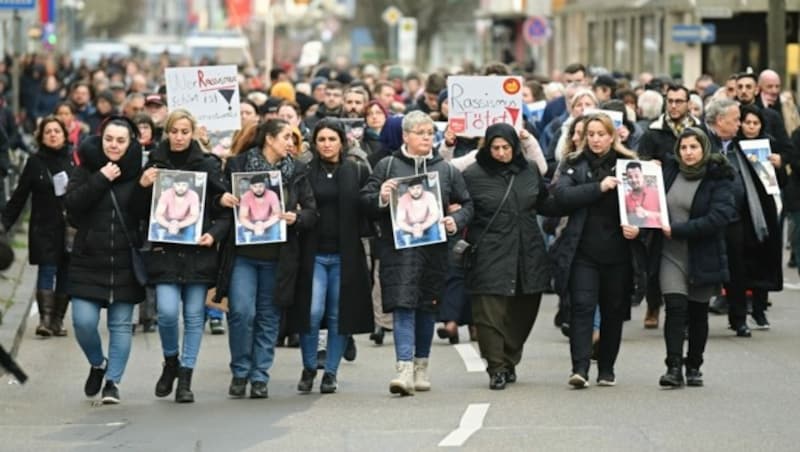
<point>413,277</point>
<point>100,265</point>
<point>510,258</point>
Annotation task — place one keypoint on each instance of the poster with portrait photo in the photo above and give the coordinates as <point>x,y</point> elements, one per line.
<point>642,201</point>
<point>416,210</point>
<point>176,214</point>
<point>757,152</point>
<point>258,216</point>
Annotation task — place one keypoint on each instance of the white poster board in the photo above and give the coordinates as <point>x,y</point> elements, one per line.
<point>476,102</point>
<point>616,116</point>
<point>757,152</point>
<point>210,93</point>
<point>177,207</point>
<point>642,201</point>
<point>416,211</point>
<point>258,215</point>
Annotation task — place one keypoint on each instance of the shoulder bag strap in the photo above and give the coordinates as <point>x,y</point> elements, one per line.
<point>496,212</point>
<point>121,219</point>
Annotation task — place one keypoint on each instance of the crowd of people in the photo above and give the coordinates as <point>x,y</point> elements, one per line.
<point>519,213</point>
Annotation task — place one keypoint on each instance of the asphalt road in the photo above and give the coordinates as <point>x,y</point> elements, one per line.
<point>751,400</point>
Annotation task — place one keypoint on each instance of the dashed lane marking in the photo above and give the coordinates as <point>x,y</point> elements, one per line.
<point>471,422</point>
<point>472,360</point>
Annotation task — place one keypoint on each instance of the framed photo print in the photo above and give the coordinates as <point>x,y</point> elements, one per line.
<point>416,210</point>
<point>642,201</point>
<point>257,217</point>
<point>176,215</point>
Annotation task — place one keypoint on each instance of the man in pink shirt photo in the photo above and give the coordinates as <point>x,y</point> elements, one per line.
<point>417,215</point>
<point>641,201</point>
<point>177,212</point>
<point>259,213</point>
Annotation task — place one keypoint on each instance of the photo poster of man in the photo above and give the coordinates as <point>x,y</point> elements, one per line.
<point>177,208</point>
<point>757,152</point>
<point>642,201</point>
<point>416,210</point>
<point>258,215</point>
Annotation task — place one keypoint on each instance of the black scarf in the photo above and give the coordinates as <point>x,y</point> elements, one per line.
<point>256,162</point>
<point>601,166</point>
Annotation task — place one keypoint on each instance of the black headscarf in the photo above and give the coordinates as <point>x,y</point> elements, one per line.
<point>484,157</point>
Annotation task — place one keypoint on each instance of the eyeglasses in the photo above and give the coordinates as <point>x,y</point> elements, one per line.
<point>423,133</point>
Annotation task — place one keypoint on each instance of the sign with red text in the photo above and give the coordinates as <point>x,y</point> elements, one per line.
<point>210,93</point>
<point>476,102</point>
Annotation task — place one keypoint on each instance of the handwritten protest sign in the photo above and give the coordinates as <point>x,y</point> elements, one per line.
<point>476,102</point>
<point>211,93</point>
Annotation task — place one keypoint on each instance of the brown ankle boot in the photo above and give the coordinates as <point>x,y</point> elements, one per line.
<point>45,299</point>
<point>57,319</point>
<point>651,318</point>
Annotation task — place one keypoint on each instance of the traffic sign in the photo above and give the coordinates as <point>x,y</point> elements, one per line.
<point>18,4</point>
<point>536,30</point>
<point>391,15</point>
<point>691,34</point>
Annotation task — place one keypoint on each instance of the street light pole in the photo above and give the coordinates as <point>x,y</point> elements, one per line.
<point>776,36</point>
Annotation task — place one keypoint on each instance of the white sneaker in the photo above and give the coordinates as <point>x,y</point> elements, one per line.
<point>578,381</point>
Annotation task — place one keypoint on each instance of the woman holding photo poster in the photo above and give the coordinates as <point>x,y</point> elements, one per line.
<point>183,273</point>
<point>413,279</point>
<point>594,254</point>
<point>690,258</point>
<point>333,282</point>
<point>260,280</point>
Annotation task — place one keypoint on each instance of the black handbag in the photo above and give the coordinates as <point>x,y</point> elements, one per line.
<point>137,262</point>
<point>463,250</point>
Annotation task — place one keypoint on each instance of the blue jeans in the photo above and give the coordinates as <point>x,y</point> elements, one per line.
<point>185,235</point>
<point>169,298</point>
<point>253,318</point>
<point>214,314</point>
<point>324,302</point>
<point>52,277</point>
<point>430,235</point>
<point>413,333</point>
<point>271,234</point>
<point>86,317</point>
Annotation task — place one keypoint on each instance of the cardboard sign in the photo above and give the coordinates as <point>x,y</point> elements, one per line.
<point>476,102</point>
<point>210,93</point>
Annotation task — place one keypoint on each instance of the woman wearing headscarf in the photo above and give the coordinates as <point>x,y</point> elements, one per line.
<point>690,259</point>
<point>509,269</point>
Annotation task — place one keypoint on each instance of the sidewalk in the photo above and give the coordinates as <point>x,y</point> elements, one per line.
<point>17,285</point>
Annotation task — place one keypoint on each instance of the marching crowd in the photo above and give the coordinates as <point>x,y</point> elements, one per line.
<point>525,212</point>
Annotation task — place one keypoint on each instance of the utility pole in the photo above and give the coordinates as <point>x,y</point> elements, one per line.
<point>776,36</point>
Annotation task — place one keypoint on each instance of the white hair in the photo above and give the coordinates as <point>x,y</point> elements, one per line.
<point>650,104</point>
<point>553,90</point>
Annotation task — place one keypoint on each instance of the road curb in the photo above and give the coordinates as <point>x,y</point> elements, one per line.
<point>18,285</point>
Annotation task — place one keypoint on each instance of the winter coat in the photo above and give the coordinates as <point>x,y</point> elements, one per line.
<point>712,209</point>
<point>413,277</point>
<point>298,198</point>
<point>100,267</point>
<point>763,259</point>
<point>181,264</point>
<point>658,141</point>
<point>512,254</point>
<point>47,222</point>
<point>355,289</point>
<point>574,193</point>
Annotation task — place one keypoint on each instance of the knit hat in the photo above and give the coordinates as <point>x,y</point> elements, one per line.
<point>317,81</point>
<point>284,90</point>
<point>442,98</point>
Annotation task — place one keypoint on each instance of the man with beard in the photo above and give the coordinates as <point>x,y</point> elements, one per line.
<point>658,141</point>
<point>641,202</point>
<point>177,211</point>
<point>355,101</point>
<point>331,107</point>
<point>417,214</point>
<point>259,210</point>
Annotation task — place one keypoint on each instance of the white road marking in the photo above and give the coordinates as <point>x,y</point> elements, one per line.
<point>34,309</point>
<point>472,360</point>
<point>471,422</point>
<point>791,286</point>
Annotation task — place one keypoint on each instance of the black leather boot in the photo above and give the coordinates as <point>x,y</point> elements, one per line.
<point>57,319</point>
<point>674,376</point>
<point>45,300</point>
<point>168,375</point>
<point>183,394</point>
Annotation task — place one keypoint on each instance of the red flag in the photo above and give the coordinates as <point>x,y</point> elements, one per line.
<point>239,12</point>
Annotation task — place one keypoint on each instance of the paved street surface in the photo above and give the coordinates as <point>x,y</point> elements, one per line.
<point>751,400</point>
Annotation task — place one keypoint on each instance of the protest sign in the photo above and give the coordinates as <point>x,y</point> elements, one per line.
<point>616,116</point>
<point>210,93</point>
<point>757,152</point>
<point>476,102</point>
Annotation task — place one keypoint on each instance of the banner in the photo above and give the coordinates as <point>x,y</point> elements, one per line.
<point>476,102</point>
<point>211,93</point>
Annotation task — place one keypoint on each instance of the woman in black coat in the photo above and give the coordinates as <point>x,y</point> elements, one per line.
<point>260,280</point>
<point>101,271</point>
<point>509,269</point>
<point>333,282</point>
<point>45,177</point>
<point>184,272</point>
<point>595,253</point>
<point>690,260</point>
